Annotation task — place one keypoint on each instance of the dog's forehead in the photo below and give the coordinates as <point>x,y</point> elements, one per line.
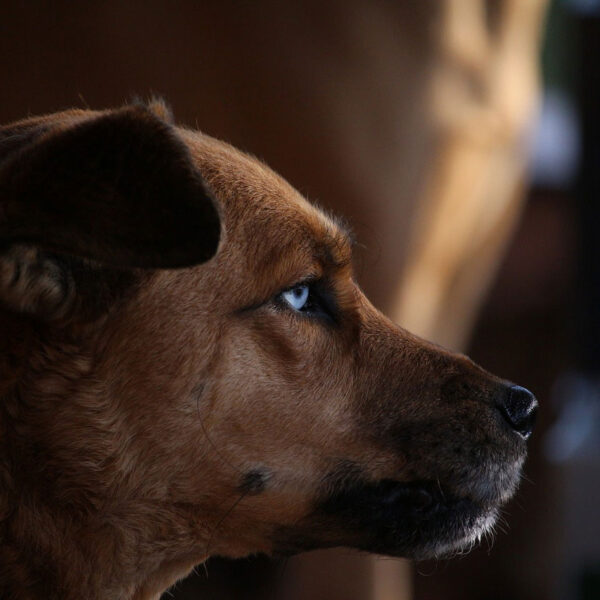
<point>254,200</point>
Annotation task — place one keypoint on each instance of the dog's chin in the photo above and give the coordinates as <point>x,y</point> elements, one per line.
<point>417,520</point>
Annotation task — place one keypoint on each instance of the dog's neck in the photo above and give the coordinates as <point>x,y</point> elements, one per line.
<point>96,568</point>
<point>67,541</point>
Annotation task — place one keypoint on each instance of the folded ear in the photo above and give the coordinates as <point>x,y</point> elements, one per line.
<point>118,187</point>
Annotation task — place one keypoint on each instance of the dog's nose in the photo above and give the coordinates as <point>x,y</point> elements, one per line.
<point>519,408</point>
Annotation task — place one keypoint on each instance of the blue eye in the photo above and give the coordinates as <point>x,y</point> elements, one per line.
<point>311,299</point>
<point>297,297</point>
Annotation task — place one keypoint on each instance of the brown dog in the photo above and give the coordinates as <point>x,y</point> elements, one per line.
<point>153,415</point>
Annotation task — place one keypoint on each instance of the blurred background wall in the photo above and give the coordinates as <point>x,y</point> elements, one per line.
<point>473,193</point>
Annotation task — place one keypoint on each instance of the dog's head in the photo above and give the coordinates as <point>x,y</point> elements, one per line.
<point>245,398</point>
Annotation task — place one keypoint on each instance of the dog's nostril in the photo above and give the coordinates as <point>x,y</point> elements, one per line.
<point>519,408</point>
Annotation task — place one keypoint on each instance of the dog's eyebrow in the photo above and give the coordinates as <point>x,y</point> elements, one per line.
<point>334,249</point>
<point>344,230</point>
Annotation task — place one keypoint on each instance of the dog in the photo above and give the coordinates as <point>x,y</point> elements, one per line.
<point>189,369</point>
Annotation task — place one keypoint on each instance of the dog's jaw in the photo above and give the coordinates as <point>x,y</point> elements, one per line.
<point>482,527</point>
<point>163,578</point>
<point>416,520</point>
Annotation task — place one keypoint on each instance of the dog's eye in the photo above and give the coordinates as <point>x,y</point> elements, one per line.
<point>297,297</point>
<point>311,299</point>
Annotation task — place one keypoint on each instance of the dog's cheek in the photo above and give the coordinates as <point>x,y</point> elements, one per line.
<point>280,393</point>
<point>274,345</point>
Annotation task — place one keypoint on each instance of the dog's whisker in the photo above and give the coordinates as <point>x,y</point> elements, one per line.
<point>83,100</point>
<point>205,567</point>
<point>527,479</point>
<point>225,460</point>
<point>222,520</point>
<point>440,487</point>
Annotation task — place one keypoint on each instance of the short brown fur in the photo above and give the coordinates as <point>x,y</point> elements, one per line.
<point>129,433</point>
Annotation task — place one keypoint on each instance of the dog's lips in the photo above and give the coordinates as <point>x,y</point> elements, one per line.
<point>416,498</point>
<point>419,519</point>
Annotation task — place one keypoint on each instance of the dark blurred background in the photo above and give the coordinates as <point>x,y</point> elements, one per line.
<point>461,141</point>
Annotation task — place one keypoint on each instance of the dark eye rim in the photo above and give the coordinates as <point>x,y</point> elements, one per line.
<point>319,304</point>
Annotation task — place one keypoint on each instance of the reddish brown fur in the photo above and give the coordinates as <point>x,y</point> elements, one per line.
<point>125,438</point>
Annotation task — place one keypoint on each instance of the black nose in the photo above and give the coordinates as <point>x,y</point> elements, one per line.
<point>519,408</point>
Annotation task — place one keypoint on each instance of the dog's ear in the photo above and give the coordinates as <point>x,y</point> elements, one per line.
<point>118,187</point>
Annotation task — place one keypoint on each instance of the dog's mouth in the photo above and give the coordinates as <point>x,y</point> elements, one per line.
<point>418,520</point>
